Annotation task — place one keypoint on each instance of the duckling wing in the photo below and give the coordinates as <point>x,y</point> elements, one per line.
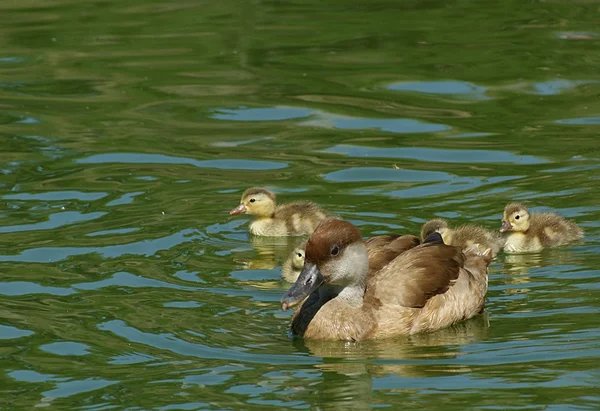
<point>416,275</point>
<point>467,235</point>
<point>301,217</point>
<point>385,248</point>
<point>554,230</point>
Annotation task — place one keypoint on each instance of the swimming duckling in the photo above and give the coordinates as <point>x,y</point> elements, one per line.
<point>290,270</point>
<point>272,220</point>
<point>464,236</point>
<point>533,232</point>
<point>425,288</point>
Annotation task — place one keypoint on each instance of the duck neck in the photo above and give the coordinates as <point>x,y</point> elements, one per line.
<point>348,295</point>
<point>352,295</point>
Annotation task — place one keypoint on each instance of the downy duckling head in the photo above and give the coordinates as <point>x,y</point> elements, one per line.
<point>335,255</point>
<point>256,201</point>
<point>433,226</point>
<point>298,258</point>
<point>515,218</point>
<point>290,270</point>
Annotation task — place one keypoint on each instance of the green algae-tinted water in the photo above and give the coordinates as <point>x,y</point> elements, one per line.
<point>129,129</point>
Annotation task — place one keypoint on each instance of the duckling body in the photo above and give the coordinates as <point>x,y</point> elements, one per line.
<point>464,236</point>
<point>424,288</point>
<point>530,232</point>
<point>272,220</point>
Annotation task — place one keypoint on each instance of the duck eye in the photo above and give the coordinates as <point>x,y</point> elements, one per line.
<point>335,250</point>
<point>300,255</point>
<point>517,217</point>
<point>252,200</point>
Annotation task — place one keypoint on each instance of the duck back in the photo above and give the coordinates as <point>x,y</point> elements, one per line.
<point>382,249</point>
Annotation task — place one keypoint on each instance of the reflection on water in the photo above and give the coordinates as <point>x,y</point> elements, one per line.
<point>129,129</point>
<point>328,120</point>
<point>436,155</point>
<point>353,370</point>
<point>163,159</point>
<point>443,87</point>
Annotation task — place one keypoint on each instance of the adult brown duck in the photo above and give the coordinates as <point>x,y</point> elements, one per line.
<point>422,288</point>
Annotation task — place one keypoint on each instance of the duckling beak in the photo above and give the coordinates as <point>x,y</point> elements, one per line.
<point>238,210</point>
<point>506,226</point>
<point>309,280</point>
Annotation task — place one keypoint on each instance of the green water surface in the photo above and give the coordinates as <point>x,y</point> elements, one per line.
<point>129,128</point>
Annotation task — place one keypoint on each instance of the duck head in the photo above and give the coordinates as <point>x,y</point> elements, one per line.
<point>515,218</point>
<point>335,255</point>
<point>433,226</point>
<point>256,201</point>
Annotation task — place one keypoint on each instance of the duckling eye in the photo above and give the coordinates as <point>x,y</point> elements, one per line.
<point>517,217</point>
<point>335,250</point>
<point>252,200</point>
<point>300,255</point>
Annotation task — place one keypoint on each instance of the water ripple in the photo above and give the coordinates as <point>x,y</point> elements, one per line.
<point>125,279</point>
<point>64,387</point>
<point>390,125</point>
<point>8,332</point>
<point>113,232</point>
<point>54,221</point>
<point>261,114</point>
<point>457,88</point>
<point>583,121</point>
<point>145,247</point>
<point>169,342</point>
<point>137,158</point>
<point>126,198</point>
<point>320,118</point>
<point>56,196</point>
<point>66,348</point>
<point>438,155</point>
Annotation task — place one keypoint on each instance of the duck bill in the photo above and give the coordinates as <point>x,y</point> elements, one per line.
<point>238,210</point>
<point>309,280</point>
<point>506,226</point>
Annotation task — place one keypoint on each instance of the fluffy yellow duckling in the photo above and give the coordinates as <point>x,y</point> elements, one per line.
<point>272,220</point>
<point>290,270</point>
<point>527,232</point>
<point>464,236</point>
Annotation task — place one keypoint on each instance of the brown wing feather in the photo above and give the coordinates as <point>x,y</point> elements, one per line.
<point>417,275</point>
<point>385,248</point>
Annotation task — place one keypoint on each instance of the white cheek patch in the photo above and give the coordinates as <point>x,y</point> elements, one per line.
<point>351,266</point>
